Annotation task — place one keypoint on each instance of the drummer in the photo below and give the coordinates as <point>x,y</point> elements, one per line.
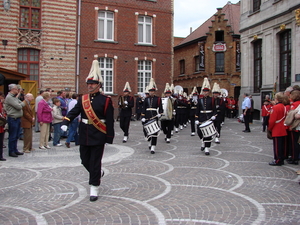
<point>152,110</point>
<point>167,121</point>
<point>205,111</point>
<point>219,104</point>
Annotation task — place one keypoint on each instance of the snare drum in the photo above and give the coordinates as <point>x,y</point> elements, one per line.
<point>151,127</point>
<point>208,129</point>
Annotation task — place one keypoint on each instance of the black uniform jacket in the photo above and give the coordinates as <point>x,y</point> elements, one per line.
<point>205,109</point>
<point>220,106</point>
<point>89,135</point>
<point>127,111</point>
<point>152,103</point>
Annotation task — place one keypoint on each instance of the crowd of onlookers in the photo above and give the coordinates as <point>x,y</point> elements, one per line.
<point>20,119</point>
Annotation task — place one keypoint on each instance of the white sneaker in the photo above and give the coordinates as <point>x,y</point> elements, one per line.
<point>172,133</point>
<point>206,150</point>
<point>181,127</point>
<point>184,125</point>
<point>58,145</point>
<point>153,149</point>
<point>193,134</point>
<point>42,147</point>
<point>176,130</point>
<point>125,139</point>
<point>168,140</point>
<point>48,147</point>
<point>217,140</point>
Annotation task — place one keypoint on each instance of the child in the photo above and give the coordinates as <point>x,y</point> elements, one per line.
<point>265,113</point>
<point>56,123</point>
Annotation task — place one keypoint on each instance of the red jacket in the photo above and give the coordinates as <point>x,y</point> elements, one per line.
<point>276,121</point>
<point>265,110</point>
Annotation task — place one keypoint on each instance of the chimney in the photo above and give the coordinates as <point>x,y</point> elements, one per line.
<point>191,30</point>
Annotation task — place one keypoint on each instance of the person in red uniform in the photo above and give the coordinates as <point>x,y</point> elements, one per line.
<point>95,129</point>
<point>278,129</point>
<point>231,107</point>
<point>265,113</point>
<point>294,134</point>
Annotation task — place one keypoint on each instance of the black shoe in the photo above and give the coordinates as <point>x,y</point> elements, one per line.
<point>275,164</point>
<point>2,159</point>
<point>246,131</point>
<point>102,174</point>
<point>93,198</point>
<point>152,152</point>
<point>19,153</point>
<point>202,148</point>
<point>295,162</point>
<point>207,153</point>
<point>13,154</point>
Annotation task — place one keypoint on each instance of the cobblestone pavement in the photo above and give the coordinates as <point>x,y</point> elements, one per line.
<point>177,185</point>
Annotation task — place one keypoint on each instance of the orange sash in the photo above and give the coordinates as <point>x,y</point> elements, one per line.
<point>91,114</point>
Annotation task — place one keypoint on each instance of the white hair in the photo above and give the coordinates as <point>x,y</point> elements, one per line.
<point>11,86</point>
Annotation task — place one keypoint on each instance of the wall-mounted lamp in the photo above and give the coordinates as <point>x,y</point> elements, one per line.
<point>4,43</point>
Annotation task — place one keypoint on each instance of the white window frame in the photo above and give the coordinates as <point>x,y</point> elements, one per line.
<point>105,29</point>
<point>144,74</point>
<point>145,28</point>
<point>107,72</point>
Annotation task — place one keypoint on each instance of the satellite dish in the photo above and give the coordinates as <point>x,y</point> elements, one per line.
<point>178,89</point>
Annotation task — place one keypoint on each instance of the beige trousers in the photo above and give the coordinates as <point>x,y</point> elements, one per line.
<point>44,134</point>
<point>27,139</point>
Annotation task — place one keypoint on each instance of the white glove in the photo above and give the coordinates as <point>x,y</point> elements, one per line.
<point>197,122</point>
<point>125,102</point>
<point>158,115</point>
<point>213,118</point>
<point>174,113</point>
<point>64,127</point>
<point>143,120</point>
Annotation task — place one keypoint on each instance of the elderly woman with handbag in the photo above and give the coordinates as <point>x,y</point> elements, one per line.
<point>278,129</point>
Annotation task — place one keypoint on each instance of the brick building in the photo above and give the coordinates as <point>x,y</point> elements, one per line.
<point>132,40</point>
<point>38,39</point>
<point>212,51</point>
<point>270,42</point>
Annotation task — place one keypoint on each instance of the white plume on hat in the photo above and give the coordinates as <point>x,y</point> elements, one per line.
<point>95,74</point>
<point>205,84</point>
<point>152,85</point>
<point>172,87</point>
<point>167,88</point>
<point>146,90</point>
<point>194,92</point>
<point>216,88</point>
<point>127,87</point>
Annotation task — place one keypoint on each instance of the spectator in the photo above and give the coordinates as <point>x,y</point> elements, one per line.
<point>27,122</point>
<point>276,126</point>
<point>61,95</point>
<point>13,107</point>
<point>37,100</point>
<point>56,122</point>
<point>265,113</point>
<point>45,118</point>
<point>251,109</point>
<point>2,130</point>
<point>246,106</point>
<point>73,126</point>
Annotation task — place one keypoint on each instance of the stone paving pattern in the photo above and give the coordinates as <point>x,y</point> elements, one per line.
<point>177,185</point>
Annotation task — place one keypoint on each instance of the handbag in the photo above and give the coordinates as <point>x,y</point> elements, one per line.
<point>3,120</point>
<point>269,134</point>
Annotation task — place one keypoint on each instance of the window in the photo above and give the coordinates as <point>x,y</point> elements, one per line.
<point>220,62</point>
<point>285,60</point>
<point>144,74</point>
<point>197,63</point>
<point>106,25</point>
<point>182,66</point>
<point>219,35</point>
<point>256,5</point>
<point>28,62</point>
<point>30,14</point>
<point>106,67</point>
<point>145,30</point>
<point>257,60</point>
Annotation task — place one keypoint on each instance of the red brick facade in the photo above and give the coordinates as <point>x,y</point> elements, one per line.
<point>201,42</point>
<point>55,41</point>
<point>124,48</point>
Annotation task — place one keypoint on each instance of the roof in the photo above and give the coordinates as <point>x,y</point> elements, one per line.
<point>232,13</point>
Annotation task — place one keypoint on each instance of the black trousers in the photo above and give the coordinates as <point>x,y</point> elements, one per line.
<point>167,126</point>
<point>294,145</point>
<point>91,159</point>
<point>279,144</point>
<point>265,122</point>
<point>124,124</point>
<point>247,119</point>
<point>1,144</point>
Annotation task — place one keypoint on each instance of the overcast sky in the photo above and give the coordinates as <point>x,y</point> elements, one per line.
<point>192,13</point>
